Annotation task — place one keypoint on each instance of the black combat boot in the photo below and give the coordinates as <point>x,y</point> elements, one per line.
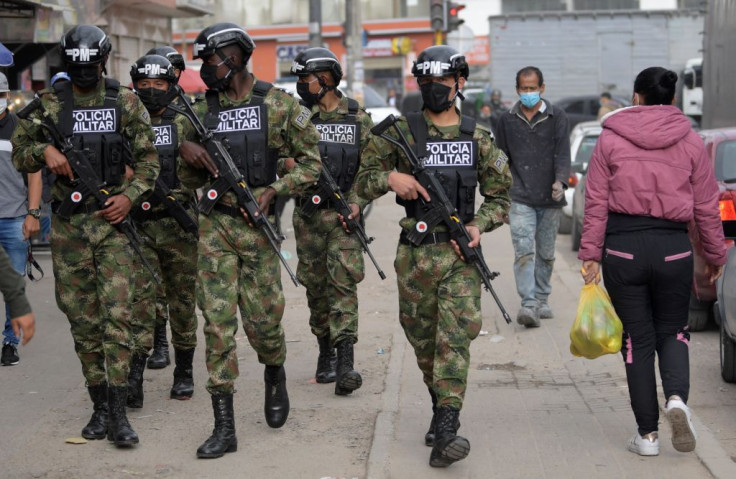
<point>223,437</point>
<point>429,437</point>
<point>276,406</point>
<point>160,357</point>
<point>96,428</point>
<point>119,430</point>
<point>135,380</point>
<point>348,380</point>
<point>326,361</point>
<point>183,387</point>
<point>448,446</point>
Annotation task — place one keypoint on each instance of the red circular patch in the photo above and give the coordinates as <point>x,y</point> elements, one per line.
<point>146,206</point>
<point>212,194</point>
<point>421,226</point>
<point>76,196</point>
<point>316,199</point>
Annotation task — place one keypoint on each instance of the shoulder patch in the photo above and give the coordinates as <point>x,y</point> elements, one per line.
<point>302,120</point>
<point>146,116</point>
<point>501,162</point>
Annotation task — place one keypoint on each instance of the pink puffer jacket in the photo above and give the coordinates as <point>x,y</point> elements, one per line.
<point>649,162</point>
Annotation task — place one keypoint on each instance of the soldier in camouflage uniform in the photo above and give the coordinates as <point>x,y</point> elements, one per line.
<point>237,265</point>
<point>439,294</point>
<point>94,264</point>
<point>169,228</point>
<point>330,259</point>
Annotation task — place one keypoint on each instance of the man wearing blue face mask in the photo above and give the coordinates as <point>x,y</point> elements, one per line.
<point>534,136</point>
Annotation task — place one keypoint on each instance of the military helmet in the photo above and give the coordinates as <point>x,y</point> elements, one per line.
<point>4,83</point>
<point>438,61</point>
<point>221,35</point>
<point>313,60</point>
<point>84,45</point>
<point>152,66</point>
<point>171,54</point>
<point>6,57</point>
<point>61,76</point>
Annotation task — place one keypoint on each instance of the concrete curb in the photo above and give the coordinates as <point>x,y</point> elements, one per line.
<point>385,428</point>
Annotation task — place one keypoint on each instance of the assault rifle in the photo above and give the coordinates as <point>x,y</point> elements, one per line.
<point>230,179</point>
<point>439,210</point>
<point>87,180</point>
<point>328,188</point>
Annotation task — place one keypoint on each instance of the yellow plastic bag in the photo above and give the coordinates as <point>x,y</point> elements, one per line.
<point>597,328</point>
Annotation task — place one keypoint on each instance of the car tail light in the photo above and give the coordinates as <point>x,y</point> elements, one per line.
<point>726,206</point>
<point>572,182</point>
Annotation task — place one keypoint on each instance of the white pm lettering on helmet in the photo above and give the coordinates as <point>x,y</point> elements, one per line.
<point>82,54</point>
<point>152,69</point>
<point>434,67</point>
<point>295,66</point>
<point>198,47</point>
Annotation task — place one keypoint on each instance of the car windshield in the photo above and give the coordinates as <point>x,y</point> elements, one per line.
<point>372,99</point>
<point>726,161</point>
<point>587,145</point>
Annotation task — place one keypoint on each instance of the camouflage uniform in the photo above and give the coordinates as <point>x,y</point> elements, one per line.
<point>172,252</point>
<point>93,263</point>
<point>439,294</point>
<point>237,266</point>
<point>331,261</point>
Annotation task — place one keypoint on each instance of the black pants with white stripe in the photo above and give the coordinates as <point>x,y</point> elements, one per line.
<point>648,274</point>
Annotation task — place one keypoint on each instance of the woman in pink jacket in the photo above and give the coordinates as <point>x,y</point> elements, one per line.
<point>648,177</point>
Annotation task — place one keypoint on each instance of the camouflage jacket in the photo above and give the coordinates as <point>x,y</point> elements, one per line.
<point>289,131</point>
<point>364,120</point>
<point>30,140</point>
<point>494,179</point>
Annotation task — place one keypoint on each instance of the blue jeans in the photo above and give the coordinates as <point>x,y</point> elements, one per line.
<point>11,238</point>
<point>533,233</point>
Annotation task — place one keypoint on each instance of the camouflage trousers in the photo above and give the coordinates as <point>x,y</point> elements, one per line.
<point>94,269</point>
<point>173,254</point>
<point>330,267</point>
<point>439,309</point>
<point>238,269</point>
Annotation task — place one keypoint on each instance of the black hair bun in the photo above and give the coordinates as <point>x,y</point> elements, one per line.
<point>668,79</point>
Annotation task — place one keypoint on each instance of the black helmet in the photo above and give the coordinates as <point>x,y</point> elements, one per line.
<point>170,53</point>
<point>152,66</point>
<point>220,35</point>
<point>313,60</point>
<point>84,45</point>
<point>438,61</point>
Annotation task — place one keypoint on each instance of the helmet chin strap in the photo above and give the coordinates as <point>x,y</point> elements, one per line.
<point>232,66</point>
<point>456,95</point>
<point>325,88</point>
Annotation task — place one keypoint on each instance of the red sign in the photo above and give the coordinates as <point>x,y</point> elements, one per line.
<point>480,52</point>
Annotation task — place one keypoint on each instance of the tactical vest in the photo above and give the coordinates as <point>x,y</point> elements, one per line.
<point>244,131</point>
<point>452,161</point>
<point>166,142</point>
<point>95,130</point>
<point>339,145</point>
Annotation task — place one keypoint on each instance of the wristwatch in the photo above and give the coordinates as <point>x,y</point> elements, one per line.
<point>36,213</point>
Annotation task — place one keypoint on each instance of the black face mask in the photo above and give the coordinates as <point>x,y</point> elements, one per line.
<point>309,98</point>
<point>436,96</point>
<point>154,99</point>
<point>208,74</point>
<point>85,76</point>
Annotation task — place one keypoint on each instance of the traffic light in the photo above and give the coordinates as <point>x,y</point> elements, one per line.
<point>437,15</point>
<point>453,21</point>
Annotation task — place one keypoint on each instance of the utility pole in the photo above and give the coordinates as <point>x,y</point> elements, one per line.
<point>354,44</point>
<point>315,23</point>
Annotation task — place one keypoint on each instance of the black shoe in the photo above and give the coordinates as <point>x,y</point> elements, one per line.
<point>448,446</point>
<point>429,437</point>
<point>223,438</point>
<point>119,430</point>
<point>326,361</point>
<point>135,381</point>
<point>160,356</point>
<point>276,407</point>
<point>183,387</point>
<point>10,355</point>
<point>96,428</point>
<point>348,380</point>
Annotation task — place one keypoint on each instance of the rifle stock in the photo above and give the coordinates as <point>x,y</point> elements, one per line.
<point>439,209</point>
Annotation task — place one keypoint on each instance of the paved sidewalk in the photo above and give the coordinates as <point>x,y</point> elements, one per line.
<point>532,409</point>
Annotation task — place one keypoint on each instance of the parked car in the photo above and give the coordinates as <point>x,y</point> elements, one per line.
<point>587,134</point>
<point>582,142</point>
<point>721,147</point>
<point>585,108</point>
<point>724,311</point>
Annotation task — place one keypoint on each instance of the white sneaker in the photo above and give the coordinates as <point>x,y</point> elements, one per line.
<point>683,432</point>
<point>647,445</point>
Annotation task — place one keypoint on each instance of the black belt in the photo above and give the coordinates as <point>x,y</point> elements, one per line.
<point>87,208</point>
<point>431,238</point>
<point>307,200</point>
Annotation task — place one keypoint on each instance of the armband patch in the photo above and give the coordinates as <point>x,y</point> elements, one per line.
<point>303,119</point>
